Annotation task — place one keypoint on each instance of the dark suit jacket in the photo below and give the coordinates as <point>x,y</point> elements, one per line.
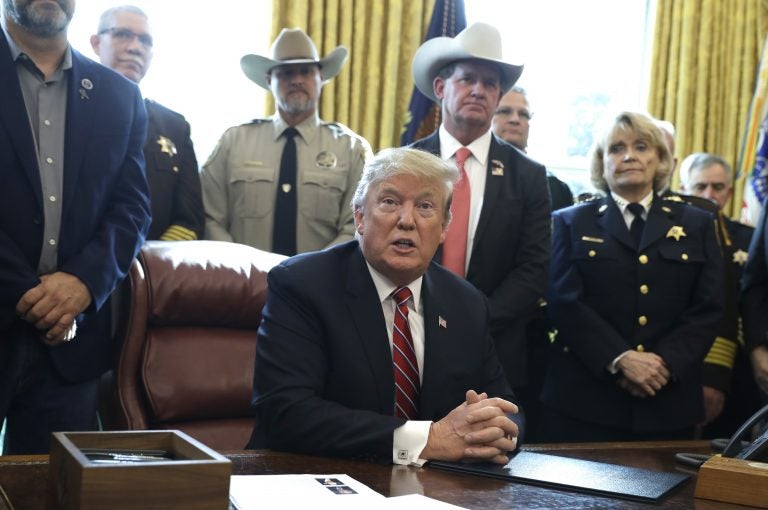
<point>105,210</point>
<point>174,178</point>
<point>600,287</point>
<point>323,383</point>
<point>560,194</point>
<point>511,247</point>
<point>754,291</point>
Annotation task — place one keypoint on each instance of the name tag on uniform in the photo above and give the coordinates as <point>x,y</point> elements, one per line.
<point>592,239</point>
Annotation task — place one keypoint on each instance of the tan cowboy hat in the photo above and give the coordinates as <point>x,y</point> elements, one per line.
<point>478,41</point>
<point>292,46</point>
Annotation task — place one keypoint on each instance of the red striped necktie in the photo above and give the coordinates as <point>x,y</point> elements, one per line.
<point>406,368</point>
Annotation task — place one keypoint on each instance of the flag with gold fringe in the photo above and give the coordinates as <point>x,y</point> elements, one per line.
<point>448,19</point>
<point>754,150</point>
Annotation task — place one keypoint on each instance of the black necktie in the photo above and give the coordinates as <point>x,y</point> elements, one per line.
<point>284,228</point>
<point>638,224</point>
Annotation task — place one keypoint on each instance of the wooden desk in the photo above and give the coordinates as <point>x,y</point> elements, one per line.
<point>25,478</point>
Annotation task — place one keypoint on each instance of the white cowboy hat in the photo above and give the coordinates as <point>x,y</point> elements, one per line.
<point>478,41</point>
<point>292,46</point>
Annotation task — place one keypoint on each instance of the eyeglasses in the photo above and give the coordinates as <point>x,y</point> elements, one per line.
<point>522,113</point>
<point>125,35</point>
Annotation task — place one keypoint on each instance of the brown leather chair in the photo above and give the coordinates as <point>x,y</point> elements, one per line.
<point>188,316</point>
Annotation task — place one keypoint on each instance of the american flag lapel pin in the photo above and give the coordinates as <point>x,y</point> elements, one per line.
<point>441,322</point>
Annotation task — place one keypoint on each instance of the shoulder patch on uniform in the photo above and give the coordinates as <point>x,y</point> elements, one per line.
<point>587,197</point>
<point>256,121</point>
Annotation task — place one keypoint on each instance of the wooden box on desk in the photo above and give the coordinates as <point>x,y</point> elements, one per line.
<point>196,478</point>
<point>734,481</point>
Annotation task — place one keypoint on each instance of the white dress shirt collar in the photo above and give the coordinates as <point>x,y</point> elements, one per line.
<point>385,288</point>
<point>480,147</point>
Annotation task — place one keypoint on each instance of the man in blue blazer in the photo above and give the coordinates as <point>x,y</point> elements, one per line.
<point>754,298</point>
<point>508,229</point>
<point>74,210</point>
<point>329,374</point>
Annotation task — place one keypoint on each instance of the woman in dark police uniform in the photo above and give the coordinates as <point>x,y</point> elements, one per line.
<point>635,296</point>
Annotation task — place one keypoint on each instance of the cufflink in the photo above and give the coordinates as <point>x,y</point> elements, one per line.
<point>402,454</point>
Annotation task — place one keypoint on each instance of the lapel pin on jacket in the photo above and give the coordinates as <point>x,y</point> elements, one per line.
<point>442,322</point>
<point>497,168</point>
<point>166,145</point>
<point>677,232</point>
<point>85,86</point>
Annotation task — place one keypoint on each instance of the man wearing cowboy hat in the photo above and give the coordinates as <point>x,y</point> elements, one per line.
<point>502,245</point>
<point>283,184</point>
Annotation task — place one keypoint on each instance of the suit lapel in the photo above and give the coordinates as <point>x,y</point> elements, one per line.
<point>13,114</point>
<point>362,300</point>
<point>660,220</point>
<point>430,144</point>
<point>611,220</point>
<point>435,335</point>
<point>492,189</point>
<point>82,99</point>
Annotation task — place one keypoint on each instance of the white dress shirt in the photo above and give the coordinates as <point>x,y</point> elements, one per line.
<point>409,439</point>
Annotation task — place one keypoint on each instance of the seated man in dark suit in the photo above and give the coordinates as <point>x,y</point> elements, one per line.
<point>371,350</point>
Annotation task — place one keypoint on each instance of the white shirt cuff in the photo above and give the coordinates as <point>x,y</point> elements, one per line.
<point>409,441</point>
<point>612,368</point>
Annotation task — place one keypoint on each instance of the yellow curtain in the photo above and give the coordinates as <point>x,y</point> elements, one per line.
<point>372,93</point>
<point>705,59</point>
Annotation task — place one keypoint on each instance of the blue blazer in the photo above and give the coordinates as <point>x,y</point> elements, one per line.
<point>510,253</point>
<point>608,296</point>
<point>323,382</point>
<point>754,283</point>
<point>105,202</point>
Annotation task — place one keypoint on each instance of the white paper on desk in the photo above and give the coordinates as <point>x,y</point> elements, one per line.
<point>419,502</point>
<point>263,492</point>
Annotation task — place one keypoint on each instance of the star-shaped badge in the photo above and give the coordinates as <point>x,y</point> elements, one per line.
<point>740,257</point>
<point>677,232</point>
<point>166,145</point>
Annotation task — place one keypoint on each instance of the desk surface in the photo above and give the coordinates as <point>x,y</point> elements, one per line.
<point>24,477</point>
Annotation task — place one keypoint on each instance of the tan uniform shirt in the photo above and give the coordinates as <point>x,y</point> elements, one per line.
<point>240,179</point>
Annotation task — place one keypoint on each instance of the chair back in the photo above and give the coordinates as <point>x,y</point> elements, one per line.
<point>188,317</point>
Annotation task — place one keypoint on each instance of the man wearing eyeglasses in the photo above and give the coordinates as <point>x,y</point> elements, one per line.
<point>511,123</point>
<point>74,210</point>
<point>124,43</point>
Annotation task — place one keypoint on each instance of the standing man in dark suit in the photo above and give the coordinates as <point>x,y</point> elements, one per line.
<point>124,43</point>
<point>74,210</point>
<point>512,123</point>
<point>369,349</point>
<point>636,297</point>
<point>502,244</point>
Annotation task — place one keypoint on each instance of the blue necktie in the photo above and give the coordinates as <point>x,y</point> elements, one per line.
<point>284,227</point>
<point>638,224</point>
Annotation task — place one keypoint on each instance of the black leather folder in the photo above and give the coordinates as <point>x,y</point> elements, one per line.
<point>576,475</point>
